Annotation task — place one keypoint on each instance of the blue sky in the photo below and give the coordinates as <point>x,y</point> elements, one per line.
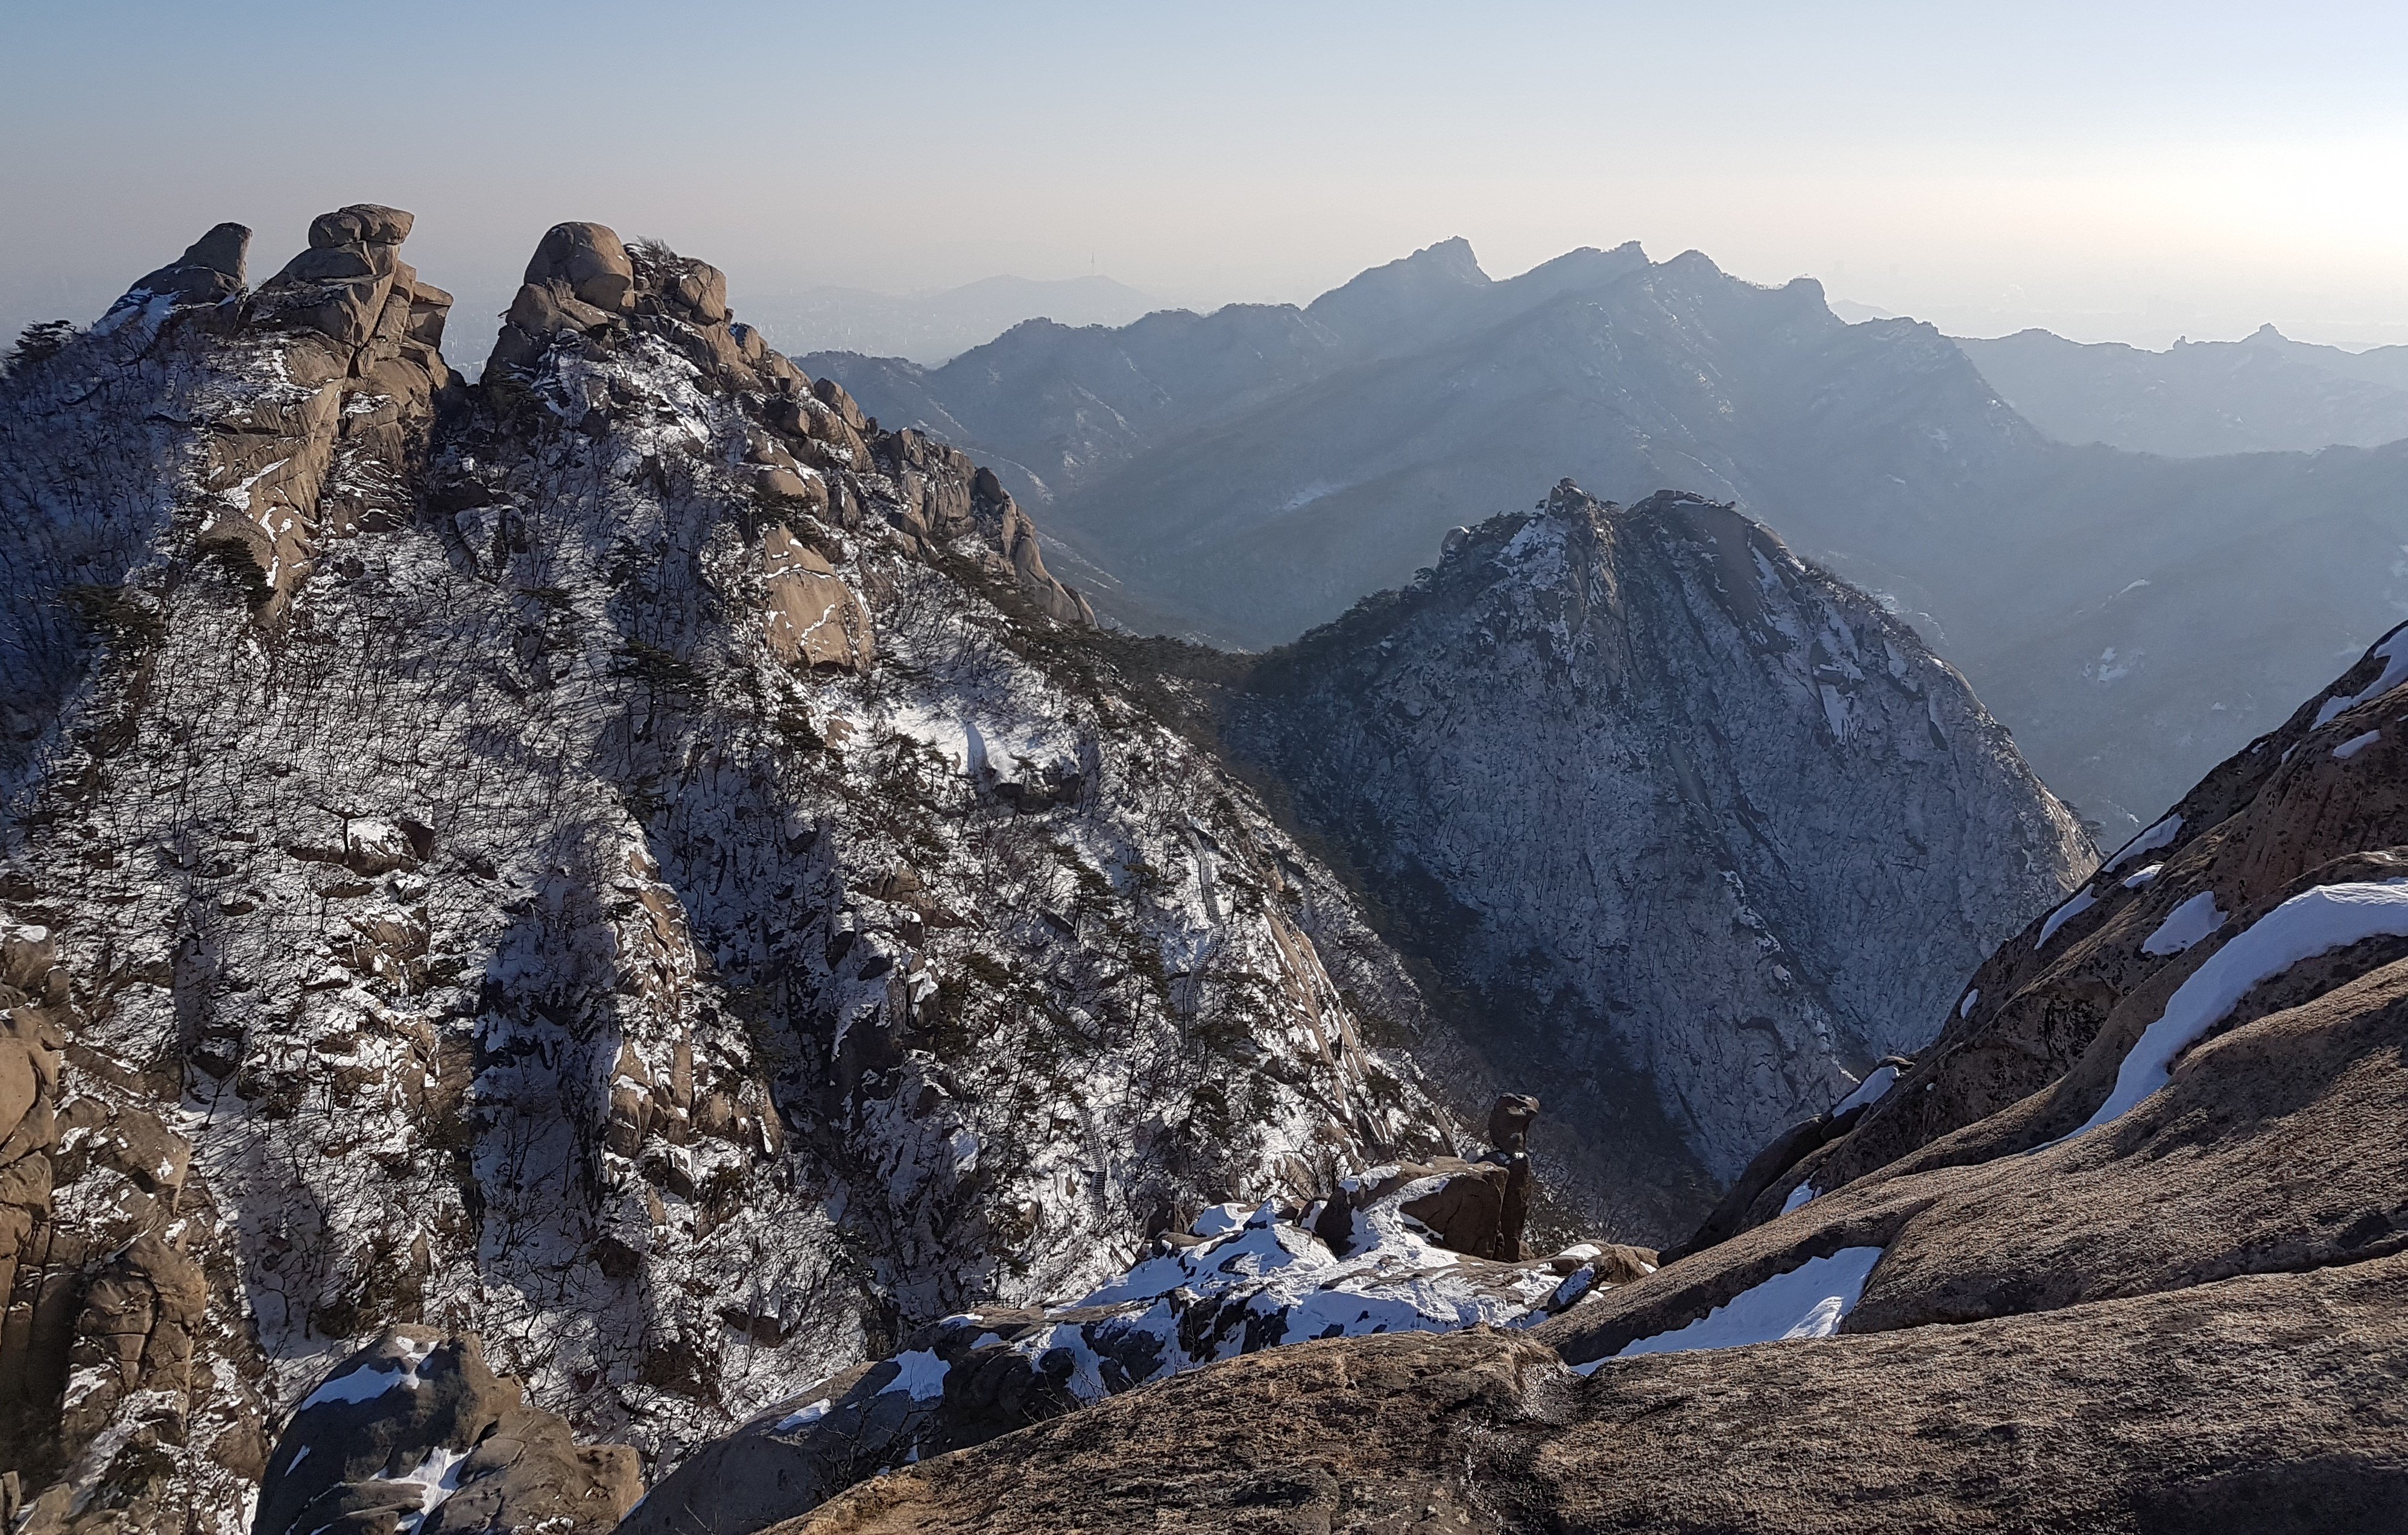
<point>2124,170</point>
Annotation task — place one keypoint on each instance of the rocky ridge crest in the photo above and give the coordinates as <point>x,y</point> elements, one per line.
<point>631,860</point>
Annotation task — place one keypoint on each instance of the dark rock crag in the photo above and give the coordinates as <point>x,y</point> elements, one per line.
<point>1707,833</point>
<point>415,1433</point>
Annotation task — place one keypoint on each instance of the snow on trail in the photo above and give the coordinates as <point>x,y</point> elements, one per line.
<point>2185,925</point>
<point>2083,901</point>
<point>2312,923</point>
<point>1808,1301</point>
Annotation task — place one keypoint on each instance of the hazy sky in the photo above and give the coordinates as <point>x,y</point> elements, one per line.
<point>2112,171</point>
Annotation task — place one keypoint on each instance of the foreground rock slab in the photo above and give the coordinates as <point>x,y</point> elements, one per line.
<point>2268,1403</point>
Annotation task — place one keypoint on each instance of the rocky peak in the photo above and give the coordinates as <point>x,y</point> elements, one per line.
<point>1688,813</point>
<point>1412,296</point>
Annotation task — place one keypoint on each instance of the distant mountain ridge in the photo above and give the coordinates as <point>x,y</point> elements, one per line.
<point>1245,475</point>
<point>930,327</point>
<point>2264,393</point>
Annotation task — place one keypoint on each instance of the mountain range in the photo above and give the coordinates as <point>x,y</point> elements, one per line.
<point>930,327</point>
<point>545,918</point>
<point>2265,393</point>
<point>1247,475</point>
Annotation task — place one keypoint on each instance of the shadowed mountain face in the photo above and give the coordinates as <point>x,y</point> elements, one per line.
<point>2262,393</point>
<point>1660,793</point>
<point>1247,474</point>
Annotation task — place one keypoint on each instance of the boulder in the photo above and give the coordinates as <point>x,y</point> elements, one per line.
<point>222,250</point>
<point>339,286</point>
<point>831,393</point>
<point>1509,1122</point>
<point>210,269</point>
<point>361,223</point>
<point>788,485</point>
<point>1462,1205</point>
<point>337,264</point>
<point>812,615</point>
<point>134,1331</point>
<point>703,289</point>
<point>543,309</point>
<point>590,259</point>
<point>429,307</point>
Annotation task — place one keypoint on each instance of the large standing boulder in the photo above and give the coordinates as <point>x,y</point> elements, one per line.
<point>362,224</point>
<point>580,279</point>
<point>210,270</point>
<point>592,262</point>
<point>339,286</point>
<point>812,616</point>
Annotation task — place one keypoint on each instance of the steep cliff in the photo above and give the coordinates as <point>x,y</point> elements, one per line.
<point>1706,832</point>
<point>630,859</point>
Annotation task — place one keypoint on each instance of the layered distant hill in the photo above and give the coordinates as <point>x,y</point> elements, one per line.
<point>2263,392</point>
<point>1247,474</point>
<point>932,326</point>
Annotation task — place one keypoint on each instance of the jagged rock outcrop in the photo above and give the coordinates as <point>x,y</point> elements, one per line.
<point>1707,831</point>
<point>210,270</point>
<point>414,1432</point>
<point>1016,537</point>
<point>1388,1251</point>
<point>129,1390</point>
<point>628,859</point>
<point>2125,1250</point>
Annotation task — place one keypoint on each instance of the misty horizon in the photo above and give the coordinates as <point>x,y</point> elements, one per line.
<point>2105,174</point>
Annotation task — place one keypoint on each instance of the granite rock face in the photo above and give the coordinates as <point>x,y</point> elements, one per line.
<point>1709,833</point>
<point>629,861</point>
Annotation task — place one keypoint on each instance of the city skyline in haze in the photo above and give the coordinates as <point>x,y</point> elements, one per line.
<point>2110,172</point>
